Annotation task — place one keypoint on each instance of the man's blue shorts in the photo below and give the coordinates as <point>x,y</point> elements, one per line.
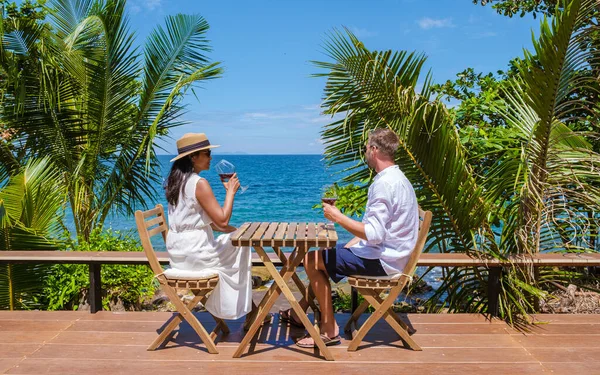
<point>341,262</point>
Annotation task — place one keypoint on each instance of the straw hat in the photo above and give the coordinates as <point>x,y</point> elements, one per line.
<point>190,143</point>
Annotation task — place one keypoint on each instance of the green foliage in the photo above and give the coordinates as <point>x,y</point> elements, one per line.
<point>521,7</point>
<point>76,89</point>
<point>68,283</point>
<point>482,129</point>
<point>351,199</point>
<point>342,301</point>
<point>30,204</point>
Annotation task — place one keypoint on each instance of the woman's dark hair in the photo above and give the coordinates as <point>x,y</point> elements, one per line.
<point>181,170</point>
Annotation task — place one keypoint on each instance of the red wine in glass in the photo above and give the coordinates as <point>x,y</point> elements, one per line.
<point>226,170</point>
<point>330,201</point>
<point>226,176</point>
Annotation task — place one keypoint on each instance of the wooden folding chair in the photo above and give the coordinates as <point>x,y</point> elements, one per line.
<point>372,287</point>
<point>151,223</point>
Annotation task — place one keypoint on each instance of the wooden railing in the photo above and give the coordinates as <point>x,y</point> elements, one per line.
<point>95,260</point>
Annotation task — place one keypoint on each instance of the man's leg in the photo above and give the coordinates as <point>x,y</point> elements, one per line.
<point>319,281</point>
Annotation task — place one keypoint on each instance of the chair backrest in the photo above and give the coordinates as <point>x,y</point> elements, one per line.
<point>424,223</point>
<point>150,223</point>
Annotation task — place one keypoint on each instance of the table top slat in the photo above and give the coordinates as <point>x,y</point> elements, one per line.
<point>331,233</point>
<point>301,234</point>
<point>259,232</point>
<point>238,233</point>
<point>281,231</point>
<point>322,239</point>
<point>245,238</point>
<point>290,235</point>
<point>311,231</point>
<point>267,239</point>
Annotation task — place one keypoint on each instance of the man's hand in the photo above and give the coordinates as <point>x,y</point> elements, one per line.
<point>332,213</point>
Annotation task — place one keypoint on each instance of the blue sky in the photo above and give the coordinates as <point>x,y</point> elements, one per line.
<point>267,103</point>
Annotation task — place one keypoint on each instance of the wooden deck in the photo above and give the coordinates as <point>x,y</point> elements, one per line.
<point>115,343</point>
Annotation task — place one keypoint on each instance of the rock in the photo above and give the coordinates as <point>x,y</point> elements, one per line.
<point>257,281</point>
<point>116,305</point>
<point>571,289</point>
<point>159,298</point>
<point>83,302</point>
<point>263,273</point>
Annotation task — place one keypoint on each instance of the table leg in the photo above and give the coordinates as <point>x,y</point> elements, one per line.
<point>265,305</point>
<point>280,280</point>
<point>307,294</point>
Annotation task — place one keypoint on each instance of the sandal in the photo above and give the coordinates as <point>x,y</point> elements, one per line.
<point>286,316</point>
<point>326,339</point>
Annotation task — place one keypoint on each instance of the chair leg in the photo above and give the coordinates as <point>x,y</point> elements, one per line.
<point>390,316</point>
<point>187,315</point>
<point>355,315</point>
<point>392,313</point>
<point>370,322</point>
<point>166,332</point>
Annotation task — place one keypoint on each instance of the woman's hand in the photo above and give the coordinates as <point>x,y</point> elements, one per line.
<point>233,184</point>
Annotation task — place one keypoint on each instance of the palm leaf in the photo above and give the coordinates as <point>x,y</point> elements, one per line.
<point>29,220</point>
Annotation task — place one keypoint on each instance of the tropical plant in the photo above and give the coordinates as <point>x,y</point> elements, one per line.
<point>87,101</point>
<point>68,284</point>
<point>535,197</point>
<point>30,206</point>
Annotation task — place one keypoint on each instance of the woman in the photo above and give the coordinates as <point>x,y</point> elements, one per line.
<point>193,215</point>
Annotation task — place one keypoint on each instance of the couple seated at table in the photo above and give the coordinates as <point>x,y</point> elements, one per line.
<point>382,244</point>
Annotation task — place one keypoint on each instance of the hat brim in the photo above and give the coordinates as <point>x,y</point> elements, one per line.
<point>192,151</point>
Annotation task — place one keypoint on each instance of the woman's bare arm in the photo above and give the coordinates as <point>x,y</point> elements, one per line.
<point>227,229</point>
<point>206,198</point>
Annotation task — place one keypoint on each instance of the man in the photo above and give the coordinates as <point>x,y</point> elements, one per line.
<point>383,240</point>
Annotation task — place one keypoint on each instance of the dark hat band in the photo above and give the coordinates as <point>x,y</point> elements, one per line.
<point>193,146</point>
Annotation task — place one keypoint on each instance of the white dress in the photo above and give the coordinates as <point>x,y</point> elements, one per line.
<point>192,247</point>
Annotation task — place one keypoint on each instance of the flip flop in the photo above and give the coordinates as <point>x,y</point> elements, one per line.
<point>326,339</point>
<point>286,316</point>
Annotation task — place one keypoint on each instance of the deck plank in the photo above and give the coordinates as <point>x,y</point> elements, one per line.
<point>8,363</point>
<point>17,350</point>
<point>63,366</point>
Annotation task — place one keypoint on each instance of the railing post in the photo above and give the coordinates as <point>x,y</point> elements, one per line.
<point>494,291</point>
<point>353,299</point>
<point>95,294</point>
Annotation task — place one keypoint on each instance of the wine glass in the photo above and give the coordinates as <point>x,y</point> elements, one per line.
<point>226,170</point>
<point>329,196</point>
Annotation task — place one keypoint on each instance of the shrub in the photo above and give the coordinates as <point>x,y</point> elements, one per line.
<point>68,284</point>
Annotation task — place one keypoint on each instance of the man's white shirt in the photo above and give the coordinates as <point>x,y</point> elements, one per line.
<point>391,221</point>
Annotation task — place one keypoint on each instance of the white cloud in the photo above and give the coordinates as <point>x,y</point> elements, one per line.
<point>362,33</point>
<point>152,4</point>
<point>430,23</point>
<point>137,6</point>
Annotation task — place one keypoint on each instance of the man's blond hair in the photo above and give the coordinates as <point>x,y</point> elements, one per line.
<point>385,140</point>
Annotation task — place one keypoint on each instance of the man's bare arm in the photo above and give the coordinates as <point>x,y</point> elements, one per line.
<point>353,242</point>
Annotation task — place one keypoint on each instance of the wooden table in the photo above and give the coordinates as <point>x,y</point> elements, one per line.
<point>300,236</point>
